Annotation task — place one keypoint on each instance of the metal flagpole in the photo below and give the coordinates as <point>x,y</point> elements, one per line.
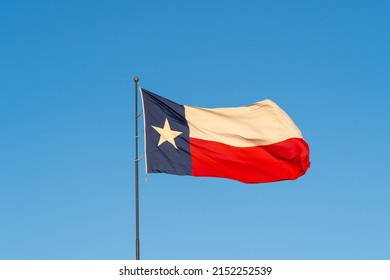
<point>137,243</point>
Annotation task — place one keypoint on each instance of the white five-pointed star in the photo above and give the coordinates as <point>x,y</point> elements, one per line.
<point>166,134</point>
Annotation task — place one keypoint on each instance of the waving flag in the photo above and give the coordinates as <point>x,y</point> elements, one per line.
<point>253,144</point>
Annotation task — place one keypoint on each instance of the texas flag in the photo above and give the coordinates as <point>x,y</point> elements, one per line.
<point>253,144</point>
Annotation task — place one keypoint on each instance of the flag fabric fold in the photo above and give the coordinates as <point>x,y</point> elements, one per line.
<point>253,144</point>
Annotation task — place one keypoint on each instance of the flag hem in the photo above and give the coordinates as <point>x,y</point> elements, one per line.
<point>143,115</point>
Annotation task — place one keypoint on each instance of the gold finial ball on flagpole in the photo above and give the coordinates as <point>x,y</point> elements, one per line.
<point>136,79</point>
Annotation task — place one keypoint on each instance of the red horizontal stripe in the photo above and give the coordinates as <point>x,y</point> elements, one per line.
<point>286,160</point>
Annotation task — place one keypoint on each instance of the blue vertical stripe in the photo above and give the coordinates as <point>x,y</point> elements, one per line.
<point>165,158</point>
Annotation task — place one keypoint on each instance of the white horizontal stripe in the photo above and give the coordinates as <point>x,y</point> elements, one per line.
<point>261,123</point>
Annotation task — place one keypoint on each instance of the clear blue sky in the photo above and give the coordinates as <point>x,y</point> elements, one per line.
<point>67,127</point>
